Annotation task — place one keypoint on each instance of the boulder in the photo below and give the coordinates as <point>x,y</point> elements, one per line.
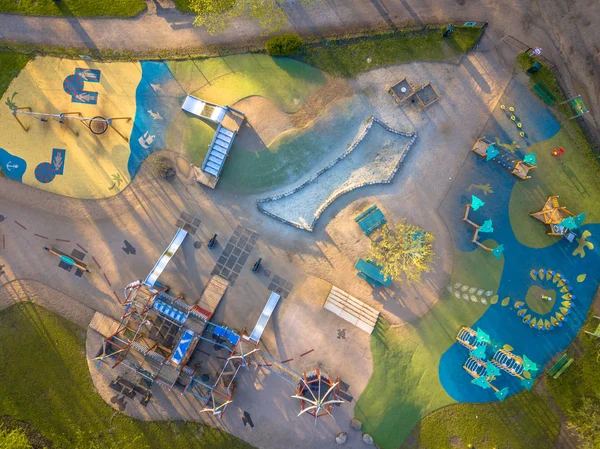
<point>356,424</point>
<point>367,439</point>
<point>341,438</point>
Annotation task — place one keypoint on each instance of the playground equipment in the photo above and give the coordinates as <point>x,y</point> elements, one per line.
<point>560,221</point>
<point>426,95</point>
<point>557,315</point>
<point>70,261</point>
<point>97,125</point>
<point>370,220</point>
<point>257,265</point>
<point>318,394</point>
<point>511,114</point>
<point>483,374</point>
<point>212,241</point>
<point>228,122</point>
<point>475,204</point>
<point>168,342</point>
<point>166,257</point>
<point>520,168</point>
<point>259,328</point>
<point>577,107</point>
<point>480,347</point>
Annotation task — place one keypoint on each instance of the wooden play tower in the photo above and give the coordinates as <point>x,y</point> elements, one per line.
<point>552,214</point>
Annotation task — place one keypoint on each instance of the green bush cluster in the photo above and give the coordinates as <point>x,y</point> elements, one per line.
<point>284,45</point>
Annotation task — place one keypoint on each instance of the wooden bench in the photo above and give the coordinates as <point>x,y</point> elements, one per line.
<point>596,333</point>
<point>563,368</point>
<point>558,365</point>
<point>544,93</point>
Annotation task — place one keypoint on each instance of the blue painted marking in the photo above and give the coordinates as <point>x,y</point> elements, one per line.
<point>158,91</point>
<point>58,160</point>
<point>12,166</point>
<point>74,85</point>
<point>89,75</point>
<point>44,173</point>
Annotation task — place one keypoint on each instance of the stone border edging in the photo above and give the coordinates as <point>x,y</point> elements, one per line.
<point>360,137</point>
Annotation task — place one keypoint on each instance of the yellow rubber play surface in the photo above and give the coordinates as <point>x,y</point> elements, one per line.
<point>92,166</point>
<point>143,99</point>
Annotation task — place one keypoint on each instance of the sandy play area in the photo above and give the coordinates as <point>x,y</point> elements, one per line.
<point>372,158</point>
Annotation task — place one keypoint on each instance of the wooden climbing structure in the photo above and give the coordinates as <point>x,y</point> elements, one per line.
<point>492,152</point>
<point>556,217</point>
<point>475,226</point>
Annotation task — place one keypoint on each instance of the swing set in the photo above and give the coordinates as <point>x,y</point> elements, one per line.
<point>97,125</point>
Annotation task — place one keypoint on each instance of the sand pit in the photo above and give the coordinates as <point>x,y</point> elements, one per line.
<point>265,121</point>
<point>373,158</point>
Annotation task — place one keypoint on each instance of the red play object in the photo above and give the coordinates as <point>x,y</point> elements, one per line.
<point>558,152</point>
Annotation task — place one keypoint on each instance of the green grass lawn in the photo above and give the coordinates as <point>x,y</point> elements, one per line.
<point>10,65</point>
<point>79,8</point>
<point>582,378</point>
<point>525,420</point>
<point>405,385</point>
<point>536,303</point>
<point>571,176</point>
<point>45,381</point>
<point>348,57</point>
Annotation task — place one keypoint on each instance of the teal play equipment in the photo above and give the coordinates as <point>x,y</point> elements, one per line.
<point>488,358</point>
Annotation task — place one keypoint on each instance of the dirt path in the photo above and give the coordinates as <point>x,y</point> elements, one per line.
<point>564,29</point>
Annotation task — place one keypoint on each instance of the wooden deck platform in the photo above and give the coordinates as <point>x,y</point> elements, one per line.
<point>351,309</point>
<point>103,324</point>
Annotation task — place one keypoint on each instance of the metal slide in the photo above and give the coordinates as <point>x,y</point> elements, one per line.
<point>165,258</point>
<point>264,318</point>
<point>204,109</point>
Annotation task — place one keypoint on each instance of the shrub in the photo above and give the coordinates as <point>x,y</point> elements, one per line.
<point>163,166</point>
<point>286,44</point>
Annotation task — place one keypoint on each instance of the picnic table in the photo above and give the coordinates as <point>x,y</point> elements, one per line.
<point>370,220</point>
<point>371,272</point>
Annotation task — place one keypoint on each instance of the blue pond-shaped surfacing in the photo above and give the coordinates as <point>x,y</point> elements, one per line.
<point>502,323</point>
<point>538,122</point>
<point>160,93</point>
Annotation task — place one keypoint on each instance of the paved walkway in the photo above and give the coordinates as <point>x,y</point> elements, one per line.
<point>563,28</point>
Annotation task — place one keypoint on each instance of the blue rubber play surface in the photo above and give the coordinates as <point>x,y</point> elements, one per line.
<point>501,321</point>
<point>12,166</point>
<point>160,93</point>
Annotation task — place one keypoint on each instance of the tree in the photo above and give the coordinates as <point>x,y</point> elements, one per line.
<point>284,45</point>
<point>585,420</point>
<point>13,439</point>
<point>162,165</point>
<point>405,252</point>
<point>216,15</point>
